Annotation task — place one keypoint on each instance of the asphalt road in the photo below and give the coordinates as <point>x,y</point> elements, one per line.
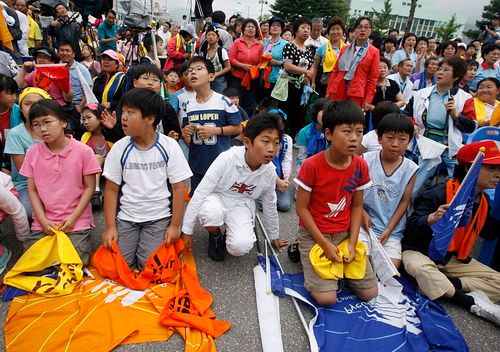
<point>231,283</point>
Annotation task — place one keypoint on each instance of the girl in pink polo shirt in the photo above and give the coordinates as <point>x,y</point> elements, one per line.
<point>61,180</point>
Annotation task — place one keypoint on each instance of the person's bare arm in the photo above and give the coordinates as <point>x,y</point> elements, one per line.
<point>88,190</point>
<point>110,205</point>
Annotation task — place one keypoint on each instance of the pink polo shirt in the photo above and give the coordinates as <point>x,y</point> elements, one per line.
<point>59,180</point>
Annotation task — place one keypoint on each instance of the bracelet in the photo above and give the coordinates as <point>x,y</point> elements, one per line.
<point>221,131</point>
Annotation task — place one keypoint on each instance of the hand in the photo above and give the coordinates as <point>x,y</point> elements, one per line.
<point>331,252</point>
<point>189,130</point>
<point>174,135</point>
<point>310,75</point>
<point>432,218</point>
<point>108,236</point>
<point>28,65</point>
<point>48,227</point>
<point>384,236</point>
<point>400,103</point>
<point>188,241</point>
<point>68,223</point>
<point>450,106</point>
<point>205,132</point>
<point>274,62</point>
<point>366,221</point>
<point>55,24</point>
<point>108,120</point>
<point>172,234</point>
<point>367,107</point>
<point>246,67</point>
<point>415,131</point>
<point>186,56</point>
<point>351,247</point>
<point>279,243</point>
<point>282,185</point>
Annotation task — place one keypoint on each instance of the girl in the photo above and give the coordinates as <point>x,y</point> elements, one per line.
<point>20,139</point>
<point>212,50</point>
<point>10,115</point>
<point>94,139</point>
<point>89,61</point>
<point>61,180</point>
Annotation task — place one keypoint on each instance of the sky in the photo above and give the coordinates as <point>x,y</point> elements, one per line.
<point>251,8</point>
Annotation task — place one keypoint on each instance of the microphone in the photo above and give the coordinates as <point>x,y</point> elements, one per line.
<point>451,93</point>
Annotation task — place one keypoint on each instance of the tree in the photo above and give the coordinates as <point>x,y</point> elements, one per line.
<point>488,12</point>
<point>411,16</point>
<point>292,9</point>
<point>382,18</point>
<point>447,30</point>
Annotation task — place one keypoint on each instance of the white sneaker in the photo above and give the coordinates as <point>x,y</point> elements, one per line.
<point>484,308</point>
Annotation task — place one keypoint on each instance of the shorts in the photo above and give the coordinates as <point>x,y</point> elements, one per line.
<point>312,282</point>
<point>392,246</point>
<point>79,239</point>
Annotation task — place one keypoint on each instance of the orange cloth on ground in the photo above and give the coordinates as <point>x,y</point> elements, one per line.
<point>464,237</point>
<point>251,75</point>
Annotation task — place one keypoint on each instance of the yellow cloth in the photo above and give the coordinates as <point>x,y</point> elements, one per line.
<point>333,270</point>
<point>86,136</point>
<point>330,57</point>
<point>5,36</point>
<point>480,110</point>
<point>33,90</point>
<point>495,117</point>
<point>47,252</point>
<point>34,33</point>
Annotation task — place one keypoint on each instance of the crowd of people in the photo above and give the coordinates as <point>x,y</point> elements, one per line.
<point>212,119</point>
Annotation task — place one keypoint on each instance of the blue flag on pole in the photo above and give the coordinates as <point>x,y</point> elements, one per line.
<point>458,214</point>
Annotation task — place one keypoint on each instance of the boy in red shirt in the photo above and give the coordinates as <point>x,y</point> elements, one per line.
<point>330,201</point>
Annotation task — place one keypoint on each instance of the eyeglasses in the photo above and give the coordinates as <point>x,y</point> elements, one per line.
<point>197,69</point>
<point>363,27</point>
<point>150,79</point>
<point>45,124</point>
<point>444,69</point>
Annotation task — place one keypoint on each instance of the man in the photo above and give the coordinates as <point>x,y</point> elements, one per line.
<point>492,35</point>
<point>165,34</point>
<point>218,20</point>
<point>34,34</point>
<point>106,32</point>
<point>402,78</point>
<point>426,78</point>
<point>64,30</point>
<point>316,39</point>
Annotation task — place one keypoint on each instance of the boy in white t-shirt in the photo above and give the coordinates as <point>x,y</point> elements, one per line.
<point>146,172</point>
<point>370,142</point>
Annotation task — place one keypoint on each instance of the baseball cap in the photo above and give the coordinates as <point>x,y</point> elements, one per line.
<point>111,53</point>
<point>42,50</point>
<point>189,28</point>
<point>468,152</point>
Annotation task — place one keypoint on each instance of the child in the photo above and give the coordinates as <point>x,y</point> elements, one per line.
<point>330,201</point>
<point>227,193</point>
<point>145,174</point>
<point>232,93</point>
<point>172,80</point>
<point>211,119</point>
<point>61,180</point>
<point>393,177</point>
<point>10,115</point>
<point>370,142</point>
<point>20,138</point>
<point>311,139</point>
<point>94,139</point>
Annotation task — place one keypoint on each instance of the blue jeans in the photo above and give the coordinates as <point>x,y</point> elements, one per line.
<point>283,201</point>
<point>219,84</point>
<point>423,175</point>
<point>25,201</point>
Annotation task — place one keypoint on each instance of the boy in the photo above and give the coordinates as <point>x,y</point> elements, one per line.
<point>393,177</point>
<point>143,170</point>
<point>232,93</point>
<point>172,80</point>
<point>227,193</point>
<point>211,119</point>
<point>330,201</point>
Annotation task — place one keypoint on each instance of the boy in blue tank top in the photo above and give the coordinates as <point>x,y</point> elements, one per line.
<point>393,177</point>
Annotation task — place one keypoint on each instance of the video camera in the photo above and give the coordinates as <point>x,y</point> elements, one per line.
<point>95,8</point>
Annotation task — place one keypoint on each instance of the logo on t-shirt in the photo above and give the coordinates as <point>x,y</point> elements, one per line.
<point>335,209</point>
<point>242,188</point>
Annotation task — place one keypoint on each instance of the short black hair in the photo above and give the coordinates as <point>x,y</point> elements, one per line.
<point>423,39</point>
<point>318,105</point>
<point>381,109</point>
<point>441,47</point>
<point>268,103</point>
<point>172,70</point>
<point>147,101</point>
<point>218,17</point>
<point>489,48</point>
<point>183,68</point>
<point>472,62</point>
<point>364,18</point>
<point>459,67</point>
<point>408,35</point>
<point>252,21</point>
<point>110,11</point>
<point>429,59</point>
<point>491,79</point>
<point>168,24</point>
<point>208,64</point>
<point>231,92</point>
<point>338,112</point>
<point>66,43</point>
<point>299,22</point>
<point>402,62</point>
<point>146,67</point>
<point>8,84</point>
<point>261,122</point>
<point>395,122</point>
<point>336,21</point>
<point>45,107</point>
<point>391,39</point>
<point>148,41</point>
<point>386,61</point>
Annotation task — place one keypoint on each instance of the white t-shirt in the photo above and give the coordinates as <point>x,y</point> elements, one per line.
<point>215,60</point>
<point>370,142</point>
<point>144,176</point>
<point>183,98</point>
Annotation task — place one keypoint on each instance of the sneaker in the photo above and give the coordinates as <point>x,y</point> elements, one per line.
<point>217,246</point>
<point>484,308</point>
<point>293,251</point>
<point>5,255</point>
<point>96,199</point>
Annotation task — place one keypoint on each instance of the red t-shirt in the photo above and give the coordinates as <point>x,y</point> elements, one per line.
<point>4,125</point>
<point>332,190</point>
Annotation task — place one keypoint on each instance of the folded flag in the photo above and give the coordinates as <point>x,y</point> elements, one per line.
<point>57,73</point>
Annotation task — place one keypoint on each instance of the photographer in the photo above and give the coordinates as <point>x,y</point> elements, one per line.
<point>491,35</point>
<point>63,29</point>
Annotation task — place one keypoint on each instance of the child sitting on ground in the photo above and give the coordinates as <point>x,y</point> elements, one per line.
<point>386,201</point>
<point>233,94</point>
<point>172,81</point>
<point>330,203</point>
<point>61,180</point>
<point>94,139</point>
<point>371,141</point>
<point>10,115</point>
<point>145,175</point>
<point>226,195</point>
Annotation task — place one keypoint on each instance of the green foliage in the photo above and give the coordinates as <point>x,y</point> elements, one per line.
<point>326,9</point>
<point>382,18</point>
<point>447,31</point>
<point>488,11</point>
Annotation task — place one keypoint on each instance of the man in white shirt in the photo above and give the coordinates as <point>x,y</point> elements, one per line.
<point>316,39</point>
<point>402,78</point>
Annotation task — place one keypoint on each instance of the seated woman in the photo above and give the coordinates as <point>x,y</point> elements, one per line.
<point>485,102</point>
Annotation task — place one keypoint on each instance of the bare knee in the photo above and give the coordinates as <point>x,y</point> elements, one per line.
<point>367,294</point>
<point>325,299</point>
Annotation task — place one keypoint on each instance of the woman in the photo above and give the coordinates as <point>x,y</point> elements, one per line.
<point>212,50</point>
<point>447,50</point>
<point>297,62</point>
<point>422,54</point>
<point>180,48</point>
<point>355,75</point>
<point>489,67</point>
<point>485,102</point>
<point>387,89</point>
<point>107,85</point>
<point>89,61</point>
<point>407,51</point>
<point>287,34</point>
<point>245,57</point>
<point>273,56</point>
<point>327,55</point>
